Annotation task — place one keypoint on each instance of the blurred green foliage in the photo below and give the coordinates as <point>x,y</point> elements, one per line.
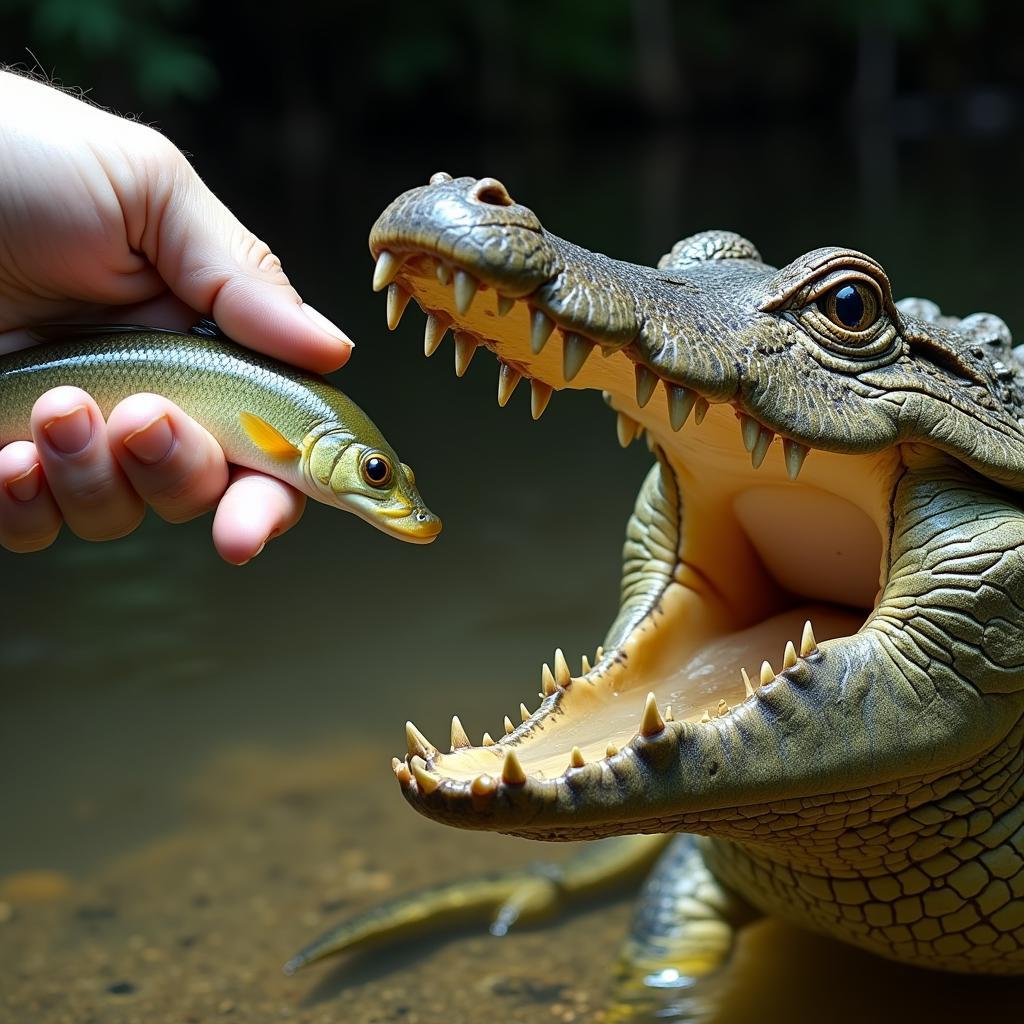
<point>141,34</point>
<point>907,17</point>
<point>533,61</point>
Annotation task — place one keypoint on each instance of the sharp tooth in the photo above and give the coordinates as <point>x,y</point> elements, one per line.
<point>562,675</point>
<point>483,785</point>
<point>465,348</point>
<point>667,714</point>
<point>417,742</point>
<point>434,332</point>
<point>444,272</point>
<point>705,718</point>
<point>680,402</point>
<point>584,665</point>
<point>509,727</point>
<point>576,758</point>
<point>651,722</point>
<point>465,288</point>
<point>487,741</point>
<point>789,658</point>
<point>541,326</point>
<point>794,453</point>
<point>540,395</point>
<point>746,683</point>
<point>547,681</point>
<point>459,737</point>
<point>723,708</point>
<point>646,382</point>
<point>764,439</point>
<point>575,350</point>
<point>401,770</point>
<point>599,653</point>
<point>388,266</point>
<point>700,410</point>
<point>512,773</point>
<point>508,378</point>
<point>808,645</point>
<point>767,673</point>
<point>505,304</point>
<point>611,750</point>
<point>524,712</point>
<point>626,429</point>
<point>398,299</point>
<point>750,429</point>
<point>427,782</point>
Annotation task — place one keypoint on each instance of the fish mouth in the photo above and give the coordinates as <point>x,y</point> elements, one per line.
<point>747,565</point>
<point>401,521</point>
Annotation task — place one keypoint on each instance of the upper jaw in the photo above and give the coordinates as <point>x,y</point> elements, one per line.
<point>660,768</point>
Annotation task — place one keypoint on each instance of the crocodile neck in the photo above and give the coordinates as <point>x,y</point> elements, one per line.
<point>928,871</point>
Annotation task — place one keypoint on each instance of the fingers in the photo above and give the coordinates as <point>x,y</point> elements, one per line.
<point>173,463</point>
<point>254,509</point>
<point>97,477</point>
<point>92,493</point>
<point>29,517</point>
<point>215,264</point>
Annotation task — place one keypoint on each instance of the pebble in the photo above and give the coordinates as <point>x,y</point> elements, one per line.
<point>35,887</point>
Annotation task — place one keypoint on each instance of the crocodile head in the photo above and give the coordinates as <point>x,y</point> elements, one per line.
<point>809,611</point>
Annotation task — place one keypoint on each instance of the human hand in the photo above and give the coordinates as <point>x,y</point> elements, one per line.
<point>103,219</point>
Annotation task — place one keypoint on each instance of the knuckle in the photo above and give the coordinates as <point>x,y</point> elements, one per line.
<point>92,492</point>
<point>256,253</point>
<point>179,500</point>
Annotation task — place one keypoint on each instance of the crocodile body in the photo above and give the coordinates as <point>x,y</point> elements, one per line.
<point>818,663</point>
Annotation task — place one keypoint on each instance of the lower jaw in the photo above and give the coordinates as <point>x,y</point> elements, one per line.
<point>593,716</point>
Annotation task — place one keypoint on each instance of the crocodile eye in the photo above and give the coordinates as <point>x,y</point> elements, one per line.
<point>377,471</point>
<point>852,306</point>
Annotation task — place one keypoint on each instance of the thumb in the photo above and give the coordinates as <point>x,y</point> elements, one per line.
<point>211,261</point>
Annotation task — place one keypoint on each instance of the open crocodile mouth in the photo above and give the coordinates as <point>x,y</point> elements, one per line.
<point>780,556</point>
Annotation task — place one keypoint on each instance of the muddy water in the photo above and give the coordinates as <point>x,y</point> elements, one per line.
<point>195,757</point>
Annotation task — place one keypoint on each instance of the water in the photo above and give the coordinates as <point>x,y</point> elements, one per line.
<point>197,755</point>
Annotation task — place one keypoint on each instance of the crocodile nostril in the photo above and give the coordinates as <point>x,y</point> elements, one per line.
<point>490,191</point>
<point>440,177</point>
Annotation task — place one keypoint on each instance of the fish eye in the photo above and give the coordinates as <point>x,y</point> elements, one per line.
<point>853,306</point>
<point>377,470</point>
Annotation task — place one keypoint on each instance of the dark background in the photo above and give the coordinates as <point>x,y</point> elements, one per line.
<point>128,671</point>
<point>892,127</point>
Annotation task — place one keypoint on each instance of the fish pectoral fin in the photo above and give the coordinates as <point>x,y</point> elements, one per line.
<point>267,437</point>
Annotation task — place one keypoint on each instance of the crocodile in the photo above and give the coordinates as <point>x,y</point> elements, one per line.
<point>837,483</point>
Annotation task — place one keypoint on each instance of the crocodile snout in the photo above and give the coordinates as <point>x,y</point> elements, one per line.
<point>472,224</point>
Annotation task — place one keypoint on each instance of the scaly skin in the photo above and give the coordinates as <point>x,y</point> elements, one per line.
<point>871,788</point>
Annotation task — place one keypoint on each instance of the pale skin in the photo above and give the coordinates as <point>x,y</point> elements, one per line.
<point>103,219</point>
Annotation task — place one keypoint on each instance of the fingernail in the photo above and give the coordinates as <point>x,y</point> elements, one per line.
<point>152,442</point>
<point>70,432</point>
<point>324,324</point>
<point>26,486</point>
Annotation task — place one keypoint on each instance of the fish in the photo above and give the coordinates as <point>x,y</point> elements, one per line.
<point>266,415</point>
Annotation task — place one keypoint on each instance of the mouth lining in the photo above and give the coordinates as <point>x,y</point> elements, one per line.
<point>710,670</point>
